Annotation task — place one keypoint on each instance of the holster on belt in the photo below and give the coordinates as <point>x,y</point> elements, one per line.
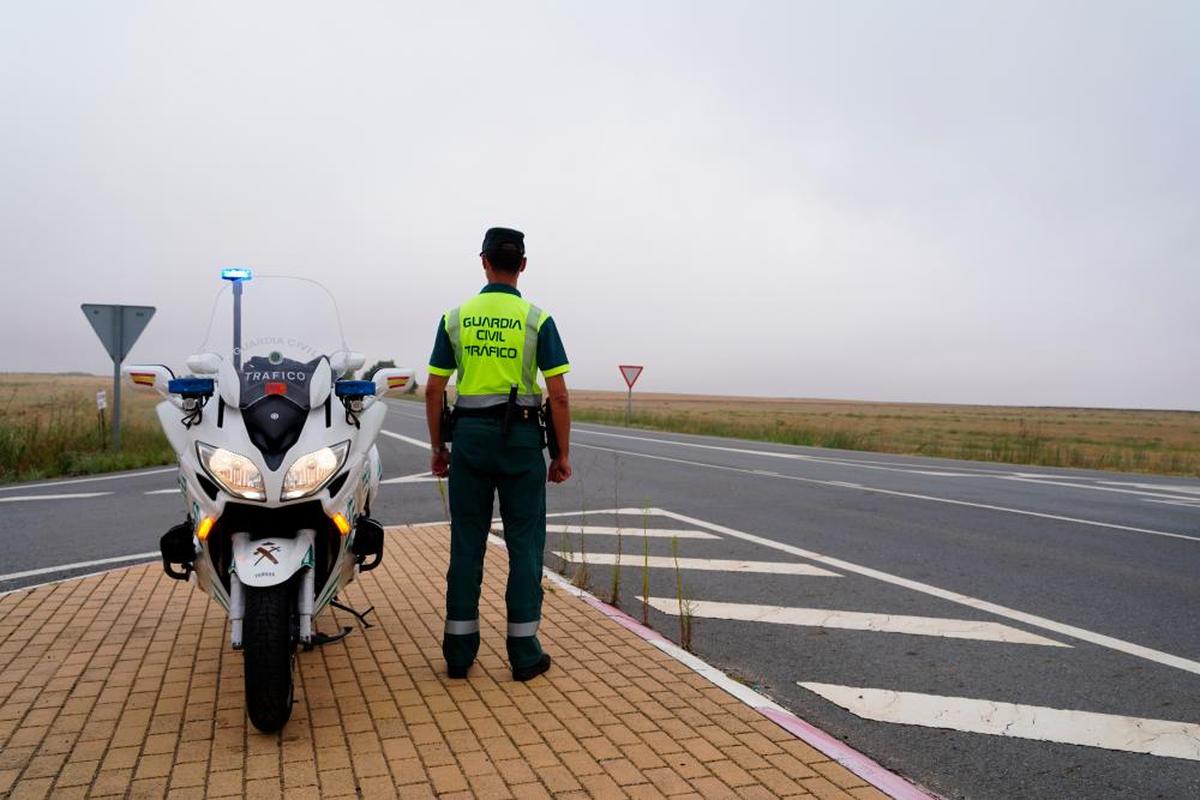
<point>447,420</point>
<point>510,409</point>
<point>549,434</point>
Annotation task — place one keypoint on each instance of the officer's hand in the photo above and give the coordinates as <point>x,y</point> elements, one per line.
<point>560,470</point>
<point>439,464</point>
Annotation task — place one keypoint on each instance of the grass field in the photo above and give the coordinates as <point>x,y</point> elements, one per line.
<point>1165,442</point>
<point>48,427</point>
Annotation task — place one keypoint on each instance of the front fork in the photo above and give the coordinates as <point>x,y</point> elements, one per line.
<point>306,597</point>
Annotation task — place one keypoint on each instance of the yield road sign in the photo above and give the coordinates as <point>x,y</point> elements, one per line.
<point>117,326</point>
<point>630,373</point>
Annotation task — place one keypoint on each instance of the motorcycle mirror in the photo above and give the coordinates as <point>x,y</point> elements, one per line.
<point>346,361</point>
<point>204,363</point>
<point>392,379</point>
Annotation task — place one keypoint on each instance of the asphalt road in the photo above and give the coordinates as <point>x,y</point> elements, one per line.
<point>959,622</point>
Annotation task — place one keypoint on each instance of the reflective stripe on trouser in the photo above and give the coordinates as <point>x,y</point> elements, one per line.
<point>462,627</point>
<point>482,464</point>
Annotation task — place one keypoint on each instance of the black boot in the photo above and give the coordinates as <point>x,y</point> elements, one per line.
<point>457,672</point>
<point>533,670</point>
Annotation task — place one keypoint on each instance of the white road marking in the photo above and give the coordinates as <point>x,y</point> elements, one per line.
<point>12,576</point>
<point>418,477</point>
<point>605,530</point>
<point>1182,503</point>
<point>29,497</point>
<point>708,564</point>
<point>164,491</point>
<point>893,493</point>
<point>855,621</point>
<point>1112,643</point>
<point>1094,487</point>
<point>916,469</point>
<point>64,482</point>
<point>1158,487</point>
<point>1154,737</point>
<point>408,439</point>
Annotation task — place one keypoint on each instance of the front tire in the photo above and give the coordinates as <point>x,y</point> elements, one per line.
<point>268,648</point>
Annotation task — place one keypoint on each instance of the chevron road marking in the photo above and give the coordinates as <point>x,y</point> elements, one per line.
<point>856,621</point>
<point>709,564</point>
<point>605,530</point>
<point>1154,737</point>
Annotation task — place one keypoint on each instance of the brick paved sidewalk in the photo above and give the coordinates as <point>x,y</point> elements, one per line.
<point>124,684</point>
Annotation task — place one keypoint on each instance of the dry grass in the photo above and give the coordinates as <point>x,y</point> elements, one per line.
<point>48,427</point>
<point>1166,442</point>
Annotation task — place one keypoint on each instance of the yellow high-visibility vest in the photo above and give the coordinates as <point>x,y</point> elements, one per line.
<point>494,335</point>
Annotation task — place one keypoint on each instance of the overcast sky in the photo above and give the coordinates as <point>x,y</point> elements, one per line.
<point>961,202</point>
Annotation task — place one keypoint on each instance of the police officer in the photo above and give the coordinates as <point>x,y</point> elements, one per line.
<point>496,342</point>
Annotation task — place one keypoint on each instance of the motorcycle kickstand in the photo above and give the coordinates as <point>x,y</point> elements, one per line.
<point>361,617</point>
<point>319,639</point>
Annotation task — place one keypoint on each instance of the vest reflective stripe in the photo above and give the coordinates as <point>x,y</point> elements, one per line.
<point>494,336</point>
<point>522,630</point>
<point>529,364</point>
<point>462,627</point>
<point>452,332</point>
<point>489,400</point>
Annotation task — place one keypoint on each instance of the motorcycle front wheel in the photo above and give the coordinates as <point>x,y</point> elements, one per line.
<point>268,648</point>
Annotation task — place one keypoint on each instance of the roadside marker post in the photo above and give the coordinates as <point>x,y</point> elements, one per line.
<point>118,328</point>
<point>101,404</point>
<point>630,372</point>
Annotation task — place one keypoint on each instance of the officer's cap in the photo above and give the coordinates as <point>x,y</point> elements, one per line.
<point>497,239</point>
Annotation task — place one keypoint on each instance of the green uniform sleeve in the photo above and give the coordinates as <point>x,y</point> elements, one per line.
<point>442,361</point>
<point>551,356</point>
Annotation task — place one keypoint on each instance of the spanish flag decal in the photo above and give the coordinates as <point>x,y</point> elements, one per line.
<point>142,378</point>
<point>397,381</point>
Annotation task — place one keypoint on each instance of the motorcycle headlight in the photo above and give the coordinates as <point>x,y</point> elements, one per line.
<point>310,471</point>
<point>236,473</point>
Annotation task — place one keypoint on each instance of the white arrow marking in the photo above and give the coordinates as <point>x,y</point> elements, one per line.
<point>709,564</point>
<point>28,497</point>
<point>856,621</point>
<point>1155,737</point>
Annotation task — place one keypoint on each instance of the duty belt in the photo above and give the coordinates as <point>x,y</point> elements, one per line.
<point>519,413</point>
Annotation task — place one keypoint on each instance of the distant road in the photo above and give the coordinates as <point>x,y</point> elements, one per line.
<point>991,631</point>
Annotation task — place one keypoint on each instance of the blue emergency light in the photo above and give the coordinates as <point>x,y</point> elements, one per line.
<point>237,274</point>
<point>354,389</point>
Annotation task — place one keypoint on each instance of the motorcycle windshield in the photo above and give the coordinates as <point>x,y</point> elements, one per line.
<point>289,326</point>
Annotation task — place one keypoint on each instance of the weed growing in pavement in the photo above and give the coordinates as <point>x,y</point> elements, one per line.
<point>442,493</point>
<point>686,607</point>
<point>567,548</point>
<point>645,564</point>
<point>614,594</point>
<point>581,579</point>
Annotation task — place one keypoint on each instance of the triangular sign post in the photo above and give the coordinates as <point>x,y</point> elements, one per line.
<point>118,328</point>
<point>630,373</point>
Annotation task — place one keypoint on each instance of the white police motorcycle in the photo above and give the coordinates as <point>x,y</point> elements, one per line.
<point>278,469</point>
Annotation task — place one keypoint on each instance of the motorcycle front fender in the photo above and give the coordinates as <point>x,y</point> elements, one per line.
<point>269,562</point>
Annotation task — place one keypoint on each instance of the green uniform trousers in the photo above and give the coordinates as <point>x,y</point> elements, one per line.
<point>482,463</point>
